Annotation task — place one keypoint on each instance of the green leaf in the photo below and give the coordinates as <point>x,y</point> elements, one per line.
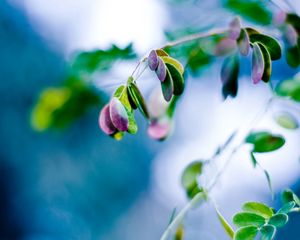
<point>132,126</point>
<point>292,55</point>
<point>286,120</point>
<point>161,53</point>
<point>296,199</point>
<point>167,87</point>
<point>246,233</point>
<point>289,88</point>
<point>253,10</point>
<point>251,31</point>
<point>267,63</point>
<point>197,59</point>
<point>271,44</point>
<point>137,98</point>
<point>229,76</point>
<point>278,220</point>
<point>118,92</point>
<point>265,142</point>
<point>58,107</point>
<point>286,208</point>
<point>189,178</point>
<point>177,78</point>
<point>244,219</point>
<point>258,64</point>
<point>174,63</point>
<point>287,196</point>
<point>101,60</point>
<point>225,225</point>
<point>267,232</point>
<point>294,20</point>
<point>258,208</point>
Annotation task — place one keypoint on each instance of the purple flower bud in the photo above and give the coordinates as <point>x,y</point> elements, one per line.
<point>290,35</point>
<point>153,60</point>
<point>160,129</point>
<point>279,18</point>
<point>157,104</point>
<point>235,29</point>
<point>225,46</point>
<point>244,43</point>
<point>118,114</point>
<point>105,122</point>
<point>257,64</point>
<point>161,70</point>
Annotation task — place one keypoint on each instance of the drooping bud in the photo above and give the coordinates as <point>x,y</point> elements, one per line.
<point>257,64</point>
<point>160,129</point>
<point>161,70</point>
<point>153,60</point>
<point>105,122</point>
<point>235,28</point>
<point>118,114</point>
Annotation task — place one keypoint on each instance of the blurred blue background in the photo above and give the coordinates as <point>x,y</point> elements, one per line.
<point>80,184</point>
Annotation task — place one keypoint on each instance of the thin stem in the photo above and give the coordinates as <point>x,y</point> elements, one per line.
<point>197,199</point>
<point>195,37</point>
<point>137,66</point>
<point>180,41</point>
<point>203,195</point>
<point>215,180</point>
<point>140,73</point>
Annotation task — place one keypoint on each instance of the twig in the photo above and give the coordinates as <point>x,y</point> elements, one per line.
<point>195,37</point>
<point>197,199</point>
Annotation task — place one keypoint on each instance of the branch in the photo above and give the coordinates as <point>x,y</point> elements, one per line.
<point>195,37</point>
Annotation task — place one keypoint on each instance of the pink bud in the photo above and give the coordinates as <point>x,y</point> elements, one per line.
<point>235,29</point>
<point>160,129</point>
<point>105,122</point>
<point>257,64</point>
<point>153,60</point>
<point>118,114</point>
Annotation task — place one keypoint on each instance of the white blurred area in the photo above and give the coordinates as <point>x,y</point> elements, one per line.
<point>203,120</point>
<point>86,24</point>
